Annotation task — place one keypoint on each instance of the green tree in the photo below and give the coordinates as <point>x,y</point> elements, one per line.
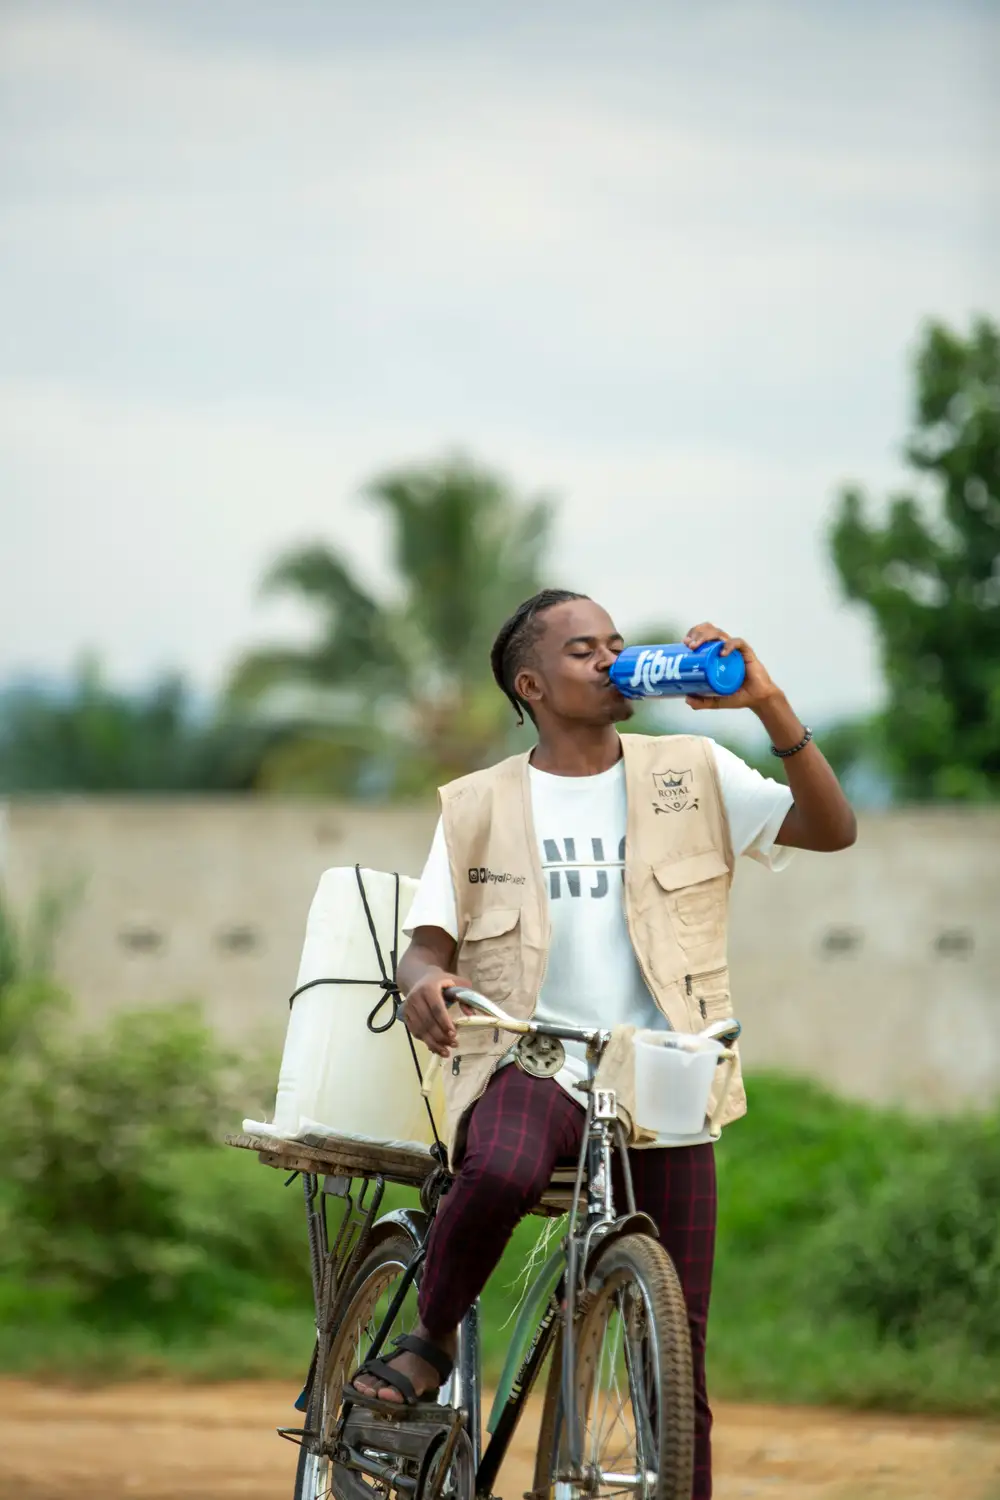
<point>930,574</point>
<point>398,687</point>
<point>96,739</point>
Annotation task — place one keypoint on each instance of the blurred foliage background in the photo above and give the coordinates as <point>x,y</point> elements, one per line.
<point>394,695</point>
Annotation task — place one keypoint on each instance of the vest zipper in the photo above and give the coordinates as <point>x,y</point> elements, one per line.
<point>706,974</point>
<point>690,990</point>
<point>456,1063</point>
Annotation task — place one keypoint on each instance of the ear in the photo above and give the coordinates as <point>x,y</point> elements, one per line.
<point>527,686</point>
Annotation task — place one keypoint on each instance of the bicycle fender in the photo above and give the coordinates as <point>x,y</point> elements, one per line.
<point>628,1224</point>
<point>412,1221</point>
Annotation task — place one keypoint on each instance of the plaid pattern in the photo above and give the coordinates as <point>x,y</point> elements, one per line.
<point>519,1130</point>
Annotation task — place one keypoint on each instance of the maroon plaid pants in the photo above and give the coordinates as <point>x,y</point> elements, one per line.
<point>518,1131</point>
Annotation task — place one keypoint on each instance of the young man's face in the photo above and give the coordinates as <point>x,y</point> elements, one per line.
<point>569,677</point>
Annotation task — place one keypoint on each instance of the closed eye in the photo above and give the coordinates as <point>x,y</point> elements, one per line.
<point>586,646</point>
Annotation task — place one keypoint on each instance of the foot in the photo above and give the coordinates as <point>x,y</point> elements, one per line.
<point>426,1381</point>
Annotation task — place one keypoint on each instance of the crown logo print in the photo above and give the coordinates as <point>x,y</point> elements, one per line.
<point>674,788</point>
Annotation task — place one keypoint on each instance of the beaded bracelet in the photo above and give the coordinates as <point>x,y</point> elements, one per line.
<point>803,742</point>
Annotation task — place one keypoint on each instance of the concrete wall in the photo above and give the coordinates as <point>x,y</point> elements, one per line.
<point>876,971</point>
<point>194,897</point>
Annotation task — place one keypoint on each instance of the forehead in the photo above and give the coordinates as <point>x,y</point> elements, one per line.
<point>577,617</point>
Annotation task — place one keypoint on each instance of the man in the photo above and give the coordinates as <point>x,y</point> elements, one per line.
<point>586,882</point>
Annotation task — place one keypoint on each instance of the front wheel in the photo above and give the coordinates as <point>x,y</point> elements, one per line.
<point>634,1394</point>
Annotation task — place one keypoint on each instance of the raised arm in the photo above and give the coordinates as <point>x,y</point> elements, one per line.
<point>821,818</point>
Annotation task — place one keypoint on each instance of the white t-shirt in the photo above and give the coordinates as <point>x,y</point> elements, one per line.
<point>593,977</point>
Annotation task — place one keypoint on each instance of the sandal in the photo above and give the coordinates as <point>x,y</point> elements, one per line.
<point>383,1372</point>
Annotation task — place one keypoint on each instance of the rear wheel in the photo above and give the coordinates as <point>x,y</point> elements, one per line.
<point>365,1305</point>
<point>634,1395</point>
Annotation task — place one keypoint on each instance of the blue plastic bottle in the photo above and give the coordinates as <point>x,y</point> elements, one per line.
<point>676,672</point>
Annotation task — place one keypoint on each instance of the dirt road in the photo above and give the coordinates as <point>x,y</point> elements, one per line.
<point>160,1442</point>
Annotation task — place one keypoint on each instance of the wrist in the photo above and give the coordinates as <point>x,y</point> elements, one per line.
<point>782,723</point>
<point>413,971</point>
<point>771,702</point>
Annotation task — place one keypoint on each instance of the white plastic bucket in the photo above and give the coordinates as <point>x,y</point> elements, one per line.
<point>337,1077</point>
<point>674,1074</point>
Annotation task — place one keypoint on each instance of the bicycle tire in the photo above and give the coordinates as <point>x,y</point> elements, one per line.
<point>316,1476</point>
<point>639,1259</point>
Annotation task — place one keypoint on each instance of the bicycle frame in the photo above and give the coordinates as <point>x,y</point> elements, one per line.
<point>551,1303</point>
<point>599,1219</point>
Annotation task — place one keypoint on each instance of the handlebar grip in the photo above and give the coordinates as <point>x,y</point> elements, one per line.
<point>490,1023</point>
<point>430,1074</point>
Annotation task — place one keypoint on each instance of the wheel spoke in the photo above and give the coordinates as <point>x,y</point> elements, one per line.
<point>616,1355</point>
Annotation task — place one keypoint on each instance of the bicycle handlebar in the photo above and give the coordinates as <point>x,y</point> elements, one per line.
<point>494,1016</point>
<point>726,1030</point>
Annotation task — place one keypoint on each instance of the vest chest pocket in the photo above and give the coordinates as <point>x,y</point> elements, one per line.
<point>490,955</point>
<point>696,891</point>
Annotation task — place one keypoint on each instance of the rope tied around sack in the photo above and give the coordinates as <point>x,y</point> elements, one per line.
<point>390,991</point>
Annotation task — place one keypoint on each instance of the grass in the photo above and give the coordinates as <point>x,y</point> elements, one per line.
<point>801,1165</point>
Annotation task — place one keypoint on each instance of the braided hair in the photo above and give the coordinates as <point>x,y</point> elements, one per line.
<point>516,640</point>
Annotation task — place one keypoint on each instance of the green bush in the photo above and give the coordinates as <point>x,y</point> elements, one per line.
<point>799,1154</point>
<point>920,1255</point>
<point>119,1212</point>
<point>90,1124</point>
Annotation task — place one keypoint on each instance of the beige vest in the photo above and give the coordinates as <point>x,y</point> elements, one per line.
<point>678,870</point>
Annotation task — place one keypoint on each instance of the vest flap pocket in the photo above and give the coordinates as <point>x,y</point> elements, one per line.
<point>490,955</point>
<point>675,874</point>
<point>493,923</point>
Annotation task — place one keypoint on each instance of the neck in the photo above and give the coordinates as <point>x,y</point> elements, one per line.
<point>577,751</point>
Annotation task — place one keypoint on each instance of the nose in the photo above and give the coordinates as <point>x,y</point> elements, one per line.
<point>604,658</point>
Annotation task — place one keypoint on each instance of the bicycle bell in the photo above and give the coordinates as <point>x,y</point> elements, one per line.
<point>540,1056</point>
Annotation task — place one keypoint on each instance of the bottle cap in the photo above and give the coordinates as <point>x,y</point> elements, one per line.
<point>726,674</point>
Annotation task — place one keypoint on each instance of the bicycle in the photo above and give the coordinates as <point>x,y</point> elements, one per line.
<point>610,1284</point>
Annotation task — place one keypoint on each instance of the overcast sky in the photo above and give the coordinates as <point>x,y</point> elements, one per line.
<point>667,261</point>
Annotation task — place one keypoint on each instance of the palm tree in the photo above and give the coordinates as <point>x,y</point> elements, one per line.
<point>395,694</point>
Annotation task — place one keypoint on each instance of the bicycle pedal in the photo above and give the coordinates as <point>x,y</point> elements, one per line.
<point>296,1435</point>
<point>428,1415</point>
